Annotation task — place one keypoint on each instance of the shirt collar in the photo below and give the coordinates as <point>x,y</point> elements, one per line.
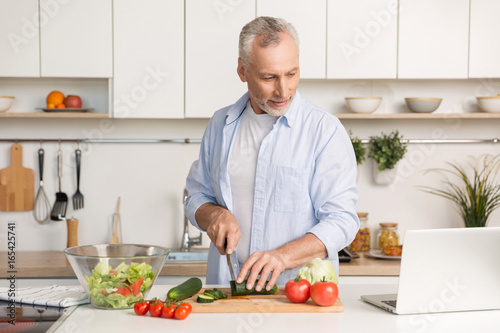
<point>289,117</point>
<point>237,109</point>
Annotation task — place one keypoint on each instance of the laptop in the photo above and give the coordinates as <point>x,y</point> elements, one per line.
<point>445,270</point>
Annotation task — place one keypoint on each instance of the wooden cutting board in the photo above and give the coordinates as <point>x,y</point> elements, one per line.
<point>277,303</point>
<point>17,184</point>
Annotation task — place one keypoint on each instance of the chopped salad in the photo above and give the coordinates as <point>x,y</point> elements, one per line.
<point>120,287</point>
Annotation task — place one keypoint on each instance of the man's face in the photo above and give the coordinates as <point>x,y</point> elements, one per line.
<point>272,75</point>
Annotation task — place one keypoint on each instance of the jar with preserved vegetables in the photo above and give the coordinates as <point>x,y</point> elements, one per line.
<point>362,240</point>
<point>388,235</point>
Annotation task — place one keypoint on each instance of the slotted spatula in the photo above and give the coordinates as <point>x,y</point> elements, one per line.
<point>59,210</point>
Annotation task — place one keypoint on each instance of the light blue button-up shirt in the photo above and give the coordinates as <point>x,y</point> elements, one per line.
<point>305,182</point>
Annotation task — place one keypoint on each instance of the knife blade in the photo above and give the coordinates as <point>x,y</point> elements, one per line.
<point>229,263</point>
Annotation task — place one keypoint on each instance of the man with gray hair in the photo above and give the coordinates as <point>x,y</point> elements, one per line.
<point>275,182</point>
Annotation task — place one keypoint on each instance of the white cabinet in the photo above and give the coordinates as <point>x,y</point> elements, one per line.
<point>76,38</point>
<point>309,19</point>
<point>212,31</point>
<point>362,39</point>
<point>484,55</point>
<point>433,39</point>
<point>148,59</point>
<point>19,38</point>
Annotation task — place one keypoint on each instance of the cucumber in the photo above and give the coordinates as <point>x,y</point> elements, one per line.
<point>205,299</point>
<point>220,294</point>
<point>216,293</point>
<point>240,289</point>
<point>186,289</point>
<point>211,293</point>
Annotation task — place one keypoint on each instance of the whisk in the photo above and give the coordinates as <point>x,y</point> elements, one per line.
<point>41,209</point>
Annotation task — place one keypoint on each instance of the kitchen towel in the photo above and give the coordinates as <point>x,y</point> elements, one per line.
<point>49,296</point>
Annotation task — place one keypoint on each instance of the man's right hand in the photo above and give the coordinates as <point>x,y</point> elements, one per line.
<point>220,225</point>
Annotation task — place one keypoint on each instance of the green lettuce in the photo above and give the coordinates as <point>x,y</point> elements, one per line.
<point>103,284</point>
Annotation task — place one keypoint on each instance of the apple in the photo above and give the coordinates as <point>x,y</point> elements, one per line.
<point>73,101</point>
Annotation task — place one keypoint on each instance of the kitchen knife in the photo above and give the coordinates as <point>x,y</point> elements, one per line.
<point>229,263</point>
<point>232,283</point>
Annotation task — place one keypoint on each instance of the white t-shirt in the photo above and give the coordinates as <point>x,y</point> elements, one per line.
<point>243,156</point>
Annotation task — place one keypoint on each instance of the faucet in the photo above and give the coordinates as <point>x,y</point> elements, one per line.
<point>187,241</point>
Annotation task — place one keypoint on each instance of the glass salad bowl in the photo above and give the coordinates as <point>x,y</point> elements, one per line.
<point>115,276</point>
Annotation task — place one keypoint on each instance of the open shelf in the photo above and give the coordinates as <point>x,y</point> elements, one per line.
<point>472,115</point>
<point>61,115</point>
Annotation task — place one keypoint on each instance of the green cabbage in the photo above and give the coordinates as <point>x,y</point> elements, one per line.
<point>317,269</point>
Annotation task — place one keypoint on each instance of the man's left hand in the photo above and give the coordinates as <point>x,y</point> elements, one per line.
<point>263,263</point>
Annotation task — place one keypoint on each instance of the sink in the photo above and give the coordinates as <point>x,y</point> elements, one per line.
<point>188,256</point>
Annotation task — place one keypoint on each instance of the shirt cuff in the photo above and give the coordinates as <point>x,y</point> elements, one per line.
<point>194,203</point>
<point>335,235</point>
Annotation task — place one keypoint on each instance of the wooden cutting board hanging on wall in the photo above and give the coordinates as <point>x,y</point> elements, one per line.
<point>17,184</point>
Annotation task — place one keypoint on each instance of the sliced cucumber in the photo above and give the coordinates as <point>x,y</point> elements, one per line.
<point>205,299</point>
<point>212,293</point>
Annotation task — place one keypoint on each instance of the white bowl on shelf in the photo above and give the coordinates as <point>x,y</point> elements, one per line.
<point>362,104</point>
<point>489,104</point>
<point>423,104</point>
<point>6,102</point>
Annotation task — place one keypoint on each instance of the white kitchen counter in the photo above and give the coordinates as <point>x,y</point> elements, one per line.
<point>358,316</point>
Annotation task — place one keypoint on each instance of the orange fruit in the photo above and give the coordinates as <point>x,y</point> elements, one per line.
<point>50,106</point>
<point>60,106</point>
<point>55,97</point>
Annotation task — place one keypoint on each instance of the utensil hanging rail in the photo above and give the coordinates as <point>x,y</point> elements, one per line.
<point>187,140</point>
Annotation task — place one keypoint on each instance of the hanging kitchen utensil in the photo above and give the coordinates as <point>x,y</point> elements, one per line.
<point>115,237</point>
<point>41,210</point>
<point>59,210</point>
<point>17,184</point>
<point>78,196</point>
<point>72,239</point>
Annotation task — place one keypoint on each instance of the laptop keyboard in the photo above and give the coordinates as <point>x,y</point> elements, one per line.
<point>391,303</point>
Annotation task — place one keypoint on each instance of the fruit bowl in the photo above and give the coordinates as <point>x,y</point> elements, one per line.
<point>423,104</point>
<point>489,104</point>
<point>6,102</point>
<point>362,104</point>
<point>115,276</point>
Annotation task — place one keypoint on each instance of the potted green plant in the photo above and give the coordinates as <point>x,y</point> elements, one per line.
<point>476,196</point>
<point>359,149</point>
<point>387,151</point>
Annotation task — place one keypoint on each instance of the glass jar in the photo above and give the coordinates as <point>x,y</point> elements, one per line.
<point>362,240</point>
<point>387,235</point>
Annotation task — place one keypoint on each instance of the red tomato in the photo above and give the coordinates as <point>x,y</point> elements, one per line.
<point>324,293</point>
<point>123,291</point>
<point>156,309</point>
<point>112,271</point>
<point>135,287</point>
<point>141,308</point>
<point>181,313</point>
<point>298,290</point>
<point>187,306</point>
<point>169,311</point>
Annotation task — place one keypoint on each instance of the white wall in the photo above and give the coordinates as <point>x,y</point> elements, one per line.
<point>150,177</point>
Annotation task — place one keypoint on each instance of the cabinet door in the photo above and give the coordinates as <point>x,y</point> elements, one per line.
<point>212,31</point>
<point>484,54</point>
<point>76,39</point>
<point>362,39</point>
<point>19,38</point>
<point>148,59</point>
<point>312,37</point>
<point>433,39</point>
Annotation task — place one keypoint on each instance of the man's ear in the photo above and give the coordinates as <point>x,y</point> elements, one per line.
<point>241,71</point>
